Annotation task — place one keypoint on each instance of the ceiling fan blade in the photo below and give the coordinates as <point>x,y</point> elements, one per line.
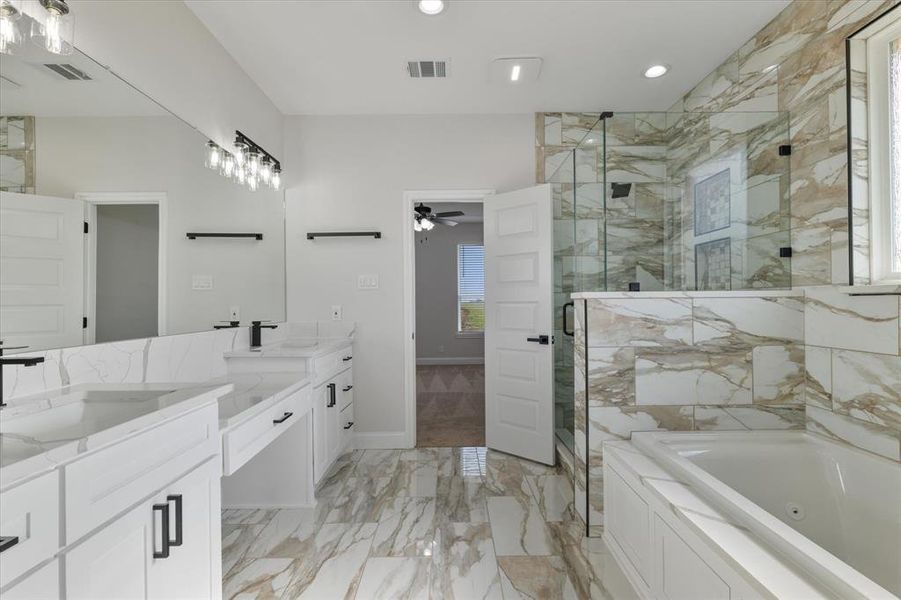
<point>452,213</point>
<point>444,221</point>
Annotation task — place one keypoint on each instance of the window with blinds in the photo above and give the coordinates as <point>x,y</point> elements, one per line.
<point>470,288</point>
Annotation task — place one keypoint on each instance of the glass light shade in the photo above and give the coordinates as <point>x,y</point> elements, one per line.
<point>253,183</point>
<point>240,152</point>
<point>240,174</point>
<point>417,226</point>
<point>10,36</point>
<point>228,165</point>
<point>427,225</point>
<point>213,156</point>
<point>253,163</point>
<point>56,31</point>
<point>265,170</point>
<point>275,182</point>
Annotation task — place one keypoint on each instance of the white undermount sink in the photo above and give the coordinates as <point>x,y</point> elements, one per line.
<point>86,413</point>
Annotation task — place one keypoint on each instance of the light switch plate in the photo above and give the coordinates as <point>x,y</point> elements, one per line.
<point>202,282</point>
<point>368,282</point>
<point>234,313</point>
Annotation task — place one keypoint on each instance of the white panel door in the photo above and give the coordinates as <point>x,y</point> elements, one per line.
<point>519,358</point>
<point>41,270</point>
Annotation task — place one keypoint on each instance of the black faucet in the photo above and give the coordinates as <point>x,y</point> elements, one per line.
<point>25,362</point>
<point>256,328</point>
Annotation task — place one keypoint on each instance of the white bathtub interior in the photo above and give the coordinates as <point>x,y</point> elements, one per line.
<point>845,500</point>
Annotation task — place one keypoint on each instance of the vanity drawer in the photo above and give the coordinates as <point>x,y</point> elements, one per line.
<point>29,512</point>
<point>346,423</point>
<point>103,484</point>
<point>345,389</point>
<point>247,439</point>
<point>326,366</point>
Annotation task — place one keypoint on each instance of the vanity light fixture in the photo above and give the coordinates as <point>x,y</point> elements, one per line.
<point>55,31</point>
<point>655,71</point>
<point>431,7</point>
<point>248,164</point>
<point>10,36</point>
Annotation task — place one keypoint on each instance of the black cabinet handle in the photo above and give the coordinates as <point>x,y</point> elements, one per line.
<point>287,416</point>
<point>567,330</point>
<point>544,340</point>
<point>349,425</point>
<point>348,388</point>
<point>331,391</point>
<point>163,509</point>
<point>8,541</point>
<point>177,498</point>
<point>347,358</point>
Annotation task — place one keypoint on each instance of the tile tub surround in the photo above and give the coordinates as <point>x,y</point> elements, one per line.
<point>682,361</point>
<point>490,526</point>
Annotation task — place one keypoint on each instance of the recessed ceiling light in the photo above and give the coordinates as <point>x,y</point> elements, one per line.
<point>656,71</point>
<point>514,73</point>
<point>431,7</point>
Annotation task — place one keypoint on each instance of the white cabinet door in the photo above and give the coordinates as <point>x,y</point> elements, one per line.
<point>333,434</point>
<point>43,584</point>
<point>41,270</point>
<point>519,360</point>
<point>113,563</point>
<point>192,568</point>
<point>321,396</point>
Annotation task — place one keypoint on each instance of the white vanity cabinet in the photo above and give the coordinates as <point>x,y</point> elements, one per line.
<point>332,411</point>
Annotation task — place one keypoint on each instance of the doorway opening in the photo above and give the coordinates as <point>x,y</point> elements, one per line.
<point>450,324</point>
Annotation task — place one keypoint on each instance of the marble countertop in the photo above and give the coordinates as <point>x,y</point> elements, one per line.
<point>40,432</point>
<point>689,294</point>
<point>294,348</point>
<point>254,392</point>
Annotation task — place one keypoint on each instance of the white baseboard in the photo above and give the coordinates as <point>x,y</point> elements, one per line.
<point>451,360</point>
<point>380,440</point>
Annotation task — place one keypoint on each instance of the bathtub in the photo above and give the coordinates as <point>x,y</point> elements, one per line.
<point>829,509</point>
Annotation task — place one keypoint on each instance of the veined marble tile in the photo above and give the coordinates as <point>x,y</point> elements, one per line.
<point>778,374</point>
<point>465,567</point>
<point>236,539</point>
<point>246,516</point>
<point>262,578</point>
<point>619,422</point>
<point>636,164</point>
<point>377,463</point>
<point>861,434</point>
<point>505,476</point>
<point>693,377</point>
<point>552,129</point>
<point>518,528</point>
<point>287,531</point>
<point>470,461</point>
<point>715,418</point>
<point>576,126</point>
<point>639,322</point>
<point>867,387</point>
<point>768,417</point>
<point>362,500</point>
<point>335,575</point>
<point>818,376</point>
<point>866,323</point>
<point>408,527</point>
<point>733,322</point>
<point>535,578</point>
<point>554,494</point>
<point>415,479</point>
<point>461,500</point>
<point>395,579</point>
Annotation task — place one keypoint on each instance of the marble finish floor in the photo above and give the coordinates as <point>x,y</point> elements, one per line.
<point>450,405</point>
<point>427,523</point>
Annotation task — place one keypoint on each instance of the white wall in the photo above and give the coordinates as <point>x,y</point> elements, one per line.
<point>161,154</point>
<point>436,294</point>
<point>350,172</point>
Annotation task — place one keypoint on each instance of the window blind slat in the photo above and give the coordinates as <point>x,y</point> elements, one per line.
<point>470,287</point>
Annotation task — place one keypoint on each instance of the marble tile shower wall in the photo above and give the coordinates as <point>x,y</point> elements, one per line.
<point>682,363</point>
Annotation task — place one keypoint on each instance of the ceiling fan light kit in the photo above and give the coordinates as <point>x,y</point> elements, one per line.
<point>425,220</point>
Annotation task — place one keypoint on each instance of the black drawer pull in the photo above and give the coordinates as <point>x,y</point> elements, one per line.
<point>349,425</point>
<point>331,395</point>
<point>347,358</point>
<point>287,416</point>
<point>163,509</point>
<point>348,388</point>
<point>8,541</point>
<point>178,519</point>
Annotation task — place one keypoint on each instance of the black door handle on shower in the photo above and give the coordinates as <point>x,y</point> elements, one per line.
<point>544,340</point>
<point>566,330</point>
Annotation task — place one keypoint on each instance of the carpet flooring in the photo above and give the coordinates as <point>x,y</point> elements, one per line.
<point>450,405</point>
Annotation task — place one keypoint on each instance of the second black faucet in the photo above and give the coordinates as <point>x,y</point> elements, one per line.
<point>256,329</point>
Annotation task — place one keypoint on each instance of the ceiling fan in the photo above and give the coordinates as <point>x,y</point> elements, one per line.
<point>424,219</point>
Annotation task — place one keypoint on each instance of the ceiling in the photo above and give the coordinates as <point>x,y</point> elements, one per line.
<point>349,57</point>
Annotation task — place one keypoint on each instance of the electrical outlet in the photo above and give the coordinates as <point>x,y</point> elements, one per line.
<point>234,313</point>
<point>336,312</point>
<point>368,282</point>
<point>202,282</point>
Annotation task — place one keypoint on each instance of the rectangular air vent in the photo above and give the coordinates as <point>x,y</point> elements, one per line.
<point>68,71</point>
<point>427,69</point>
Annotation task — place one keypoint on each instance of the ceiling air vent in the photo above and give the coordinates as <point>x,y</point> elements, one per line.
<point>68,71</point>
<point>427,69</point>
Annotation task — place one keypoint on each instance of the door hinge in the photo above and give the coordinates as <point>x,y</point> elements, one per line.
<point>84,322</point>
<point>85,226</point>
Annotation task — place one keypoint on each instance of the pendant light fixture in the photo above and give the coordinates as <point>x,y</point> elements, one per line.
<point>247,163</point>
<point>10,36</point>
<point>55,31</point>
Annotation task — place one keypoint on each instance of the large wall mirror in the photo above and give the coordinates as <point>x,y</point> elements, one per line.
<point>81,149</point>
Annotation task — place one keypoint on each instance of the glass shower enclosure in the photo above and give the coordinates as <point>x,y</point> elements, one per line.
<point>667,201</point>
